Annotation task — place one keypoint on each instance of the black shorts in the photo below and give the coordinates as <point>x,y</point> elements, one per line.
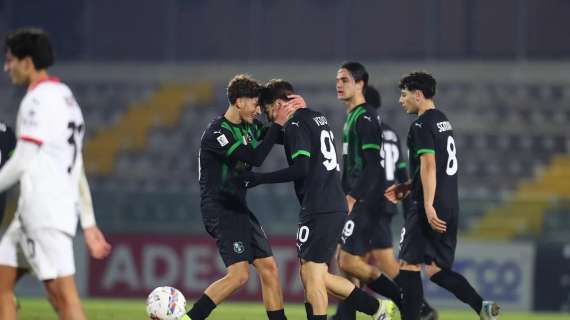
<point>317,236</point>
<point>239,237</point>
<point>420,244</point>
<point>366,228</point>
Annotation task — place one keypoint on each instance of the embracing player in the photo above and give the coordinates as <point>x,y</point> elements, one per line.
<point>314,168</point>
<point>233,144</point>
<point>48,163</point>
<point>430,234</point>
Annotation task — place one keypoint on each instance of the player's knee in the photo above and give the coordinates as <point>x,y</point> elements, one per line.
<point>346,262</point>
<point>269,271</point>
<point>239,278</point>
<point>432,269</point>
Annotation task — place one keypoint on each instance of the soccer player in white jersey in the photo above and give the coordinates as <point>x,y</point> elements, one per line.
<point>54,192</point>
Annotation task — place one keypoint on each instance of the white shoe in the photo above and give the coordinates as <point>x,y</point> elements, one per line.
<point>385,310</point>
<point>490,310</point>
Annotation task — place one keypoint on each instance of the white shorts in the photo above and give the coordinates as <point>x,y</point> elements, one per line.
<point>46,252</point>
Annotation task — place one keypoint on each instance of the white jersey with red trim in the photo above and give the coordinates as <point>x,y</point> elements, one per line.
<point>50,117</point>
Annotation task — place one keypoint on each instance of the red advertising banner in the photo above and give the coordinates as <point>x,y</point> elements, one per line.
<point>140,263</point>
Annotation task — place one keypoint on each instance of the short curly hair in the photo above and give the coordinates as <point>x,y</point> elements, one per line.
<point>33,43</point>
<point>419,80</point>
<point>243,86</point>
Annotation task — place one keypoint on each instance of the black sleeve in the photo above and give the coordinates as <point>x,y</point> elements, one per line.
<point>298,138</point>
<point>369,132</point>
<point>372,173</point>
<point>256,156</point>
<point>423,138</point>
<point>7,144</point>
<point>402,174</point>
<point>280,138</point>
<point>298,170</point>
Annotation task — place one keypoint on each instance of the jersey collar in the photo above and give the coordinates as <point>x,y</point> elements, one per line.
<point>48,79</point>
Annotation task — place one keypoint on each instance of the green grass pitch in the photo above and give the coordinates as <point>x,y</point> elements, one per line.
<point>99,309</point>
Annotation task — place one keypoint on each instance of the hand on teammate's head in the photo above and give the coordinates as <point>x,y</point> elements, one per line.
<point>280,114</point>
<point>295,102</point>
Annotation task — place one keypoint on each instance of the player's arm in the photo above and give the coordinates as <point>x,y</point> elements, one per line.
<point>24,155</point>
<point>96,243</point>
<point>428,176</point>
<point>297,137</point>
<point>372,173</point>
<point>255,156</point>
<point>425,149</point>
<point>298,170</point>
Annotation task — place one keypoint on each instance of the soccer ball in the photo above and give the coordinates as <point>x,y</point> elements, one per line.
<point>165,303</point>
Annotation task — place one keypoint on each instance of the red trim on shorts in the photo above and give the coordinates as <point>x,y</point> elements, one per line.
<point>32,140</point>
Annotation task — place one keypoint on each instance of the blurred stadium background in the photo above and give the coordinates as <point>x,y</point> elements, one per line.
<point>150,75</point>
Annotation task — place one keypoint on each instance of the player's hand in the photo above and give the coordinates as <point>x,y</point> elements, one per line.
<point>397,192</point>
<point>96,243</point>
<point>248,179</point>
<point>434,221</point>
<point>280,114</point>
<point>350,202</point>
<point>295,103</point>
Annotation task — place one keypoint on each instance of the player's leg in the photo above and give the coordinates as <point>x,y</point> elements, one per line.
<point>344,310</point>
<point>268,272</point>
<point>63,292</point>
<point>236,276</point>
<point>313,277</point>
<point>357,298</point>
<point>13,265</point>
<point>49,253</point>
<point>8,276</point>
<point>413,245</point>
<point>358,232</point>
<point>233,238</point>
<point>462,289</point>
<point>270,287</point>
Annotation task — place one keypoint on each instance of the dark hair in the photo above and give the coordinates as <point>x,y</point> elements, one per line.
<point>242,86</point>
<point>357,71</point>
<point>33,43</point>
<point>373,97</point>
<point>275,89</point>
<point>419,80</point>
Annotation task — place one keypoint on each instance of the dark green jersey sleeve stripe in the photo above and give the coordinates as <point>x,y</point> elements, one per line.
<point>422,151</point>
<point>371,146</point>
<point>233,148</point>
<point>402,165</point>
<point>301,153</point>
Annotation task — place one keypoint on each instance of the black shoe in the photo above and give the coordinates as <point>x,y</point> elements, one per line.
<point>428,313</point>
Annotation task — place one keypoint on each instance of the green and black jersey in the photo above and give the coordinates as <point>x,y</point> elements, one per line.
<point>218,164</point>
<point>432,133</point>
<point>361,133</point>
<point>307,134</point>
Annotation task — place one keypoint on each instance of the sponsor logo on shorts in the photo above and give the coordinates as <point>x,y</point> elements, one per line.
<point>239,248</point>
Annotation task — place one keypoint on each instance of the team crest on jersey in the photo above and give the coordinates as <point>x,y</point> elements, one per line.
<point>239,248</point>
<point>222,140</point>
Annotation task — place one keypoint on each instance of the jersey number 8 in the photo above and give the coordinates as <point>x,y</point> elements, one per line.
<point>452,157</point>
